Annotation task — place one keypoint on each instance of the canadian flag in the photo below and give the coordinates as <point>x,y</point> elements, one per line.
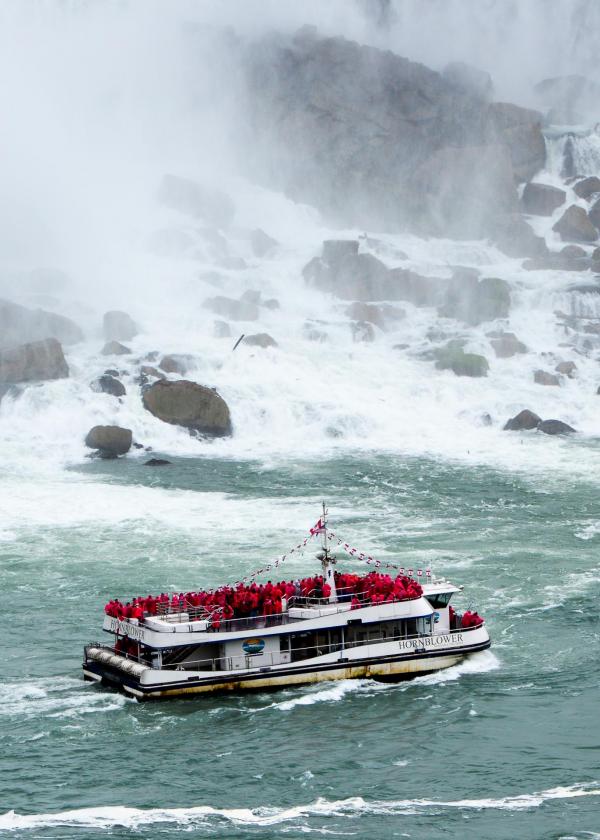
<point>318,528</point>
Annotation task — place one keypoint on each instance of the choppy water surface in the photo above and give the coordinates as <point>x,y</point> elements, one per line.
<point>505,745</point>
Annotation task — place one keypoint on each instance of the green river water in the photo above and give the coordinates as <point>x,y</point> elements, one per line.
<point>505,745</point>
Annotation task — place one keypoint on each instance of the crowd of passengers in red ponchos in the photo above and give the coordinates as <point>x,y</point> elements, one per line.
<point>258,599</point>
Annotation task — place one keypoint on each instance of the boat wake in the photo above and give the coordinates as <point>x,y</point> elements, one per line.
<point>478,663</point>
<point>134,818</point>
<point>54,697</point>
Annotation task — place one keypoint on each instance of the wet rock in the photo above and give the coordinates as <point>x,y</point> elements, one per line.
<point>572,252</point>
<point>312,333</point>
<point>473,301</point>
<point>110,441</point>
<point>18,324</point>
<point>176,363</point>
<point>262,244</point>
<point>506,344</point>
<point>107,384</point>
<point>221,329</point>
<point>524,420</point>
<point>570,98</point>
<point>148,372</point>
<point>362,331</point>
<point>542,199</point>
<point>515,238</point>
<point>486,419</point>
<point>263,340</point>
<point>197,200</point>
<point>555,427</point>
<point>542,377</point>
<point>453,357</point>
<point>596,255</point>
<point>251,296</point>
<point>111,372</point>
<point>34,361</point>
<point>271,303</point>
<point>118,326</point>
<point>520,130</point>
<point>594,214</point>
<point>235,310</point>
<point>587,187</point>
<point>115,348</point>
<point>575,225</point>
<point>334,251</point>
<point>157,462</point>
<point>187,404</point>
<point>377,314</point>
<point>233,263</point>
<point>566,368</point>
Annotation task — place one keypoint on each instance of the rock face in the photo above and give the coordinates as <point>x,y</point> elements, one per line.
<point>475,301</point>
<point>118,326</point>
<point>575,226</point>
<point>524,420</point>
<point>263,340</point>
<point>197,200</point>
<point>35,361</point>
<point>587,186</point>
<point>221,329</point>
<point>542,377</point>
<point>19,324</point>
<point>115,348</point>
<point>110,441</point>
<point>188,404</point>
<point>375,140</point>
<point>542,199</point>
<point>469,79</point>
<point>107,384</point>
<point>555,427</point>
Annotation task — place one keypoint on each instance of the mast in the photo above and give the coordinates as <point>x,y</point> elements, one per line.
<point>327,561</point>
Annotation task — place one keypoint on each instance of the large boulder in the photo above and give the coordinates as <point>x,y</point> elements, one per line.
<point>515,238</point>
<point>107,384</point>
<point>263,340</point>
<point>506,344</point>
<point>542,199</point>
<point>542,377</point>
<point>200,201</point>
<point>575,226</point>
<point>348,275</point>
<point>524,420</point>
<point>566,368</point>
<point>115,348</point>
<point>185,403</point>
<point>594,214</point>
<point>19,324</point>
<point>520,130</point>
<point>453,357</point>
<point>178,363</point>
<point>119,326</point>
<point>35,361</point>
<point>555,427</point>
<point>110,441</point>
<point>587,186</point>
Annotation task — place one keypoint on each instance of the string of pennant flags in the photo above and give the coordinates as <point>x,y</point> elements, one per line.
<point>352,552</point>
<point>379,564</point>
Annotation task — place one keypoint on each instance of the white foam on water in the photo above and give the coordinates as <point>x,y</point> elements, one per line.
<point>55,697</point>
<point>478,663</point>
<point>134,818</point>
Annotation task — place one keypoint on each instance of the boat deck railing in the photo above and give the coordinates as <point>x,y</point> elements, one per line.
<point>185,613</point>
<point>266,660</point>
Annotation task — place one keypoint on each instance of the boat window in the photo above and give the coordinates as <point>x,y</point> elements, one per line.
<point>439,599</point>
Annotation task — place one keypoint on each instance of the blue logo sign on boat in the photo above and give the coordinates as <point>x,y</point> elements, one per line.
<point>253,645</point>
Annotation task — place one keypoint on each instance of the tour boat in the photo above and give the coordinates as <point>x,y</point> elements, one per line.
<point>333,626</point>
